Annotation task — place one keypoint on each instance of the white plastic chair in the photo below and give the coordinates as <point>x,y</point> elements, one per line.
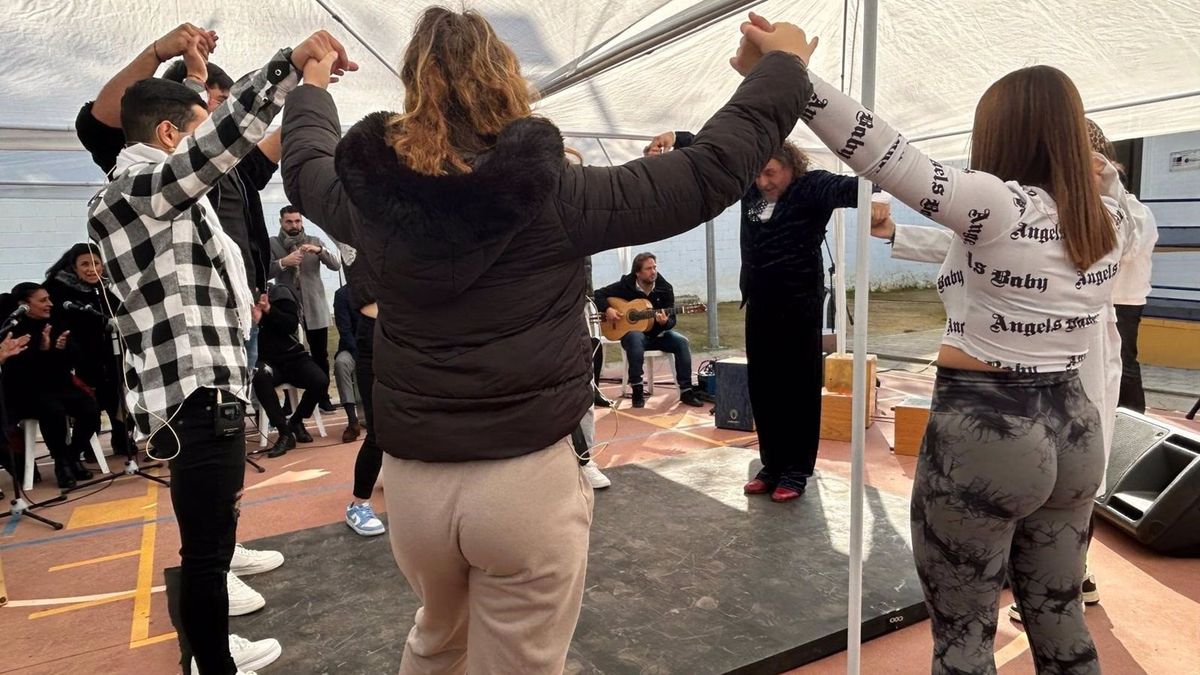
<point>30,429</point>
<point>293,395</point>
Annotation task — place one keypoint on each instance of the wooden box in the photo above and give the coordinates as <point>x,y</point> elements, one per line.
<point>912,414</point>
<point>835,414</point>
<point>839,373</point>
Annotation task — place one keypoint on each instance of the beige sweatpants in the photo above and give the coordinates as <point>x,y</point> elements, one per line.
<point>496,552</point>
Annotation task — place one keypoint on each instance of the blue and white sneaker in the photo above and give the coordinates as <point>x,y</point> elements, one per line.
<point>362,519</point>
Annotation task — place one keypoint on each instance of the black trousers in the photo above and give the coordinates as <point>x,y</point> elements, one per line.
<point>785,369</point>
<point>300,372</point>
<point>318,348</point>
<point>370,456</point>
<point>1132,396</point>
<point>51,410</point>
<point>108,399</point>
<point>207,476</point>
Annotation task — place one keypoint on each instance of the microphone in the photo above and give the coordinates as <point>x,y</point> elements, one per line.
<point>80,307</point>
<point>14,317</point>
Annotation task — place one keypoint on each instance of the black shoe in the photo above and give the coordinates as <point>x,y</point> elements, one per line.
<point>639,396</point>
<point>326,406</point>
<point>689,397</point>
<point>301,434</point>
<point>599,400</point>
<point>284,443</point>
<point>63,475</point>
<point>79,471</point>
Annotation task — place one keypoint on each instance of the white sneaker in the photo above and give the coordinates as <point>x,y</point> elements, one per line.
<point>246,561</point>
<point>592,472</point>
<point>247,654</point>
<point>242,598</point>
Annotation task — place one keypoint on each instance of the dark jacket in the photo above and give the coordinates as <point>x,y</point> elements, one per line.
<point>235,196</point>
<point>480,347</point>
<point>90,340</point>
<point>781,257</point>
<point>278,337</point>
<point>346,320</point>
<point>34,374</point>
<point>662,297</point>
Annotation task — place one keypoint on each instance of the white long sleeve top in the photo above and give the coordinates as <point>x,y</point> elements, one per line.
<point>1013,297</point>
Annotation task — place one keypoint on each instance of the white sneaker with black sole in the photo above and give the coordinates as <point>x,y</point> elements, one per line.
<point>247,561</point>
<point>242,598</point>
<point>592,472</point>
<point>249,655</point>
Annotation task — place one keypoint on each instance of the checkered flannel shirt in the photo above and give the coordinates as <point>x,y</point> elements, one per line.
<point>176,314</point>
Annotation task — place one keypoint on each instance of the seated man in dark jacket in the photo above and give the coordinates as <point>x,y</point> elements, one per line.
<point>282,359</point>
<point>644,282</point>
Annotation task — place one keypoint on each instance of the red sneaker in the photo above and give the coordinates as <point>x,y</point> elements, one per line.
<point>757,487</point>
<point>785,494</point>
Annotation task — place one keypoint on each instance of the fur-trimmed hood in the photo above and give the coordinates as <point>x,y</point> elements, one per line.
<point>500,194</point>
<point>467,219</point>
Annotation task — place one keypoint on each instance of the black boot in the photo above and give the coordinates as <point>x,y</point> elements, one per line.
<point>297,429</point>
<point>62,473</point>
<point>639,396</point>
<point>689,397</point>
<point>599,400</point>
<point>79,471</point>
<point>285,442</point>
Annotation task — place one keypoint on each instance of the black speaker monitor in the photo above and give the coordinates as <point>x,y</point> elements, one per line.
<point>732,409</point>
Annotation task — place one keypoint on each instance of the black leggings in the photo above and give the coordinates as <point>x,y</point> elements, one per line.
<point>370,457</point>
<point>1006,477</point>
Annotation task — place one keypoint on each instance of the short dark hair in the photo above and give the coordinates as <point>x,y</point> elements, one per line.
<point>24,290</point>
<point>640,259</point>
<point>217,77</point>
<point>288,209</point>
<point>152,100</point>
<point>791,156</point>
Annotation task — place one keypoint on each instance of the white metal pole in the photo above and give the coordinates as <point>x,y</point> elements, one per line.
<point>858,418</point>
<point>839,280</point>
<point>710,246</point>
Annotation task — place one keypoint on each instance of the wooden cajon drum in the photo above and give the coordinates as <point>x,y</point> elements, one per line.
<point>837,395</point>
<point>912,414</point>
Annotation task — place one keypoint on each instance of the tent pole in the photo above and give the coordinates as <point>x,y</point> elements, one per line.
<point>710,244</point>
<point>858,423</point>
<point>358,37</point>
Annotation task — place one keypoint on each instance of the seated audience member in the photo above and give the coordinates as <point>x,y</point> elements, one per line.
<point>83,307</point>
<point>38,384</point>
<point>344,361</point>
<point>282,359</point>
<point>644,282</point>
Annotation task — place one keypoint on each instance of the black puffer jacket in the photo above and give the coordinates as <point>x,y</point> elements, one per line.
<point>87,319</point>
<point>480,347</point>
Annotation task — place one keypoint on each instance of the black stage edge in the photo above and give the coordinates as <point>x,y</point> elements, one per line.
<point>685,575</point>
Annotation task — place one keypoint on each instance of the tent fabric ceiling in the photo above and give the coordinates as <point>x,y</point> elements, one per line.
<point>934,60</point>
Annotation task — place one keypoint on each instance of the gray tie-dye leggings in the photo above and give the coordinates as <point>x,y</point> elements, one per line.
<point>1006,477</point>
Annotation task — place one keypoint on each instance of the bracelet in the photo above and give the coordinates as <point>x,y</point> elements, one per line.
<point>155,47</point>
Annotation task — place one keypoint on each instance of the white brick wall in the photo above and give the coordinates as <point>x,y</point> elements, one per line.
<point>34,233</point>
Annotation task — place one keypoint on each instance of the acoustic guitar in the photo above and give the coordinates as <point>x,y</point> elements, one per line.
<point>638,315</point>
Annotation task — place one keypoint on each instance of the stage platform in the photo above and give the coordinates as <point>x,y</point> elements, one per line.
<point>686,575</point>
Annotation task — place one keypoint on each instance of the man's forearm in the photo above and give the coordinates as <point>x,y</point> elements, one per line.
<point>107,108</point>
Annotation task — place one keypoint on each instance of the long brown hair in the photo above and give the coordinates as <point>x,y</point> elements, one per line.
<point>1029,128</point>
<point>463,85</point>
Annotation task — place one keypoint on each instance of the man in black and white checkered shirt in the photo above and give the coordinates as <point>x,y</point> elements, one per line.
<point>185,307</point>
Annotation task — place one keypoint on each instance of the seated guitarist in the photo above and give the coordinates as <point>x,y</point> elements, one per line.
<point>644,282</point>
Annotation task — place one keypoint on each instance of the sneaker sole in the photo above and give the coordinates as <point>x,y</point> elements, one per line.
<point>1091,597</point>
<point>248,607</point>
<point>366,533</point>
<point>262,661</point>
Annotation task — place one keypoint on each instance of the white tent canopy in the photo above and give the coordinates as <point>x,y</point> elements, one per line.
<point>935,59</point>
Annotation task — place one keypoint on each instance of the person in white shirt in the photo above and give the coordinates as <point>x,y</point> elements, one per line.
<point>1013,452</point>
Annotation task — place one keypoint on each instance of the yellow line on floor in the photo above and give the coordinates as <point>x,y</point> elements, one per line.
<point>93,561</point>
<point>153,640</point>
<point>81,605</point>
<point>1012,650</point>
<point>140,629</point>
